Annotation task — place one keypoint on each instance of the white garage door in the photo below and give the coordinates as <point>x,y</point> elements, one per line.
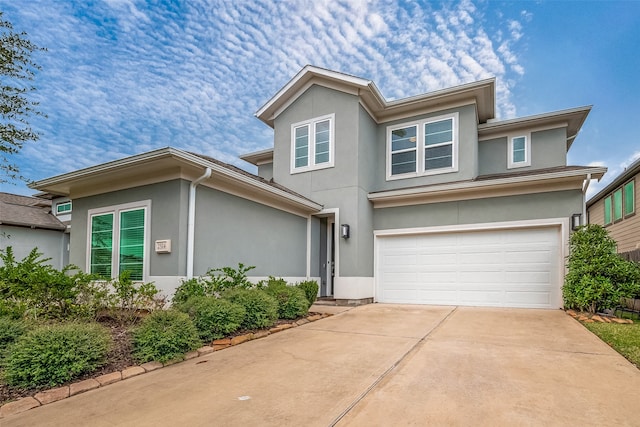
<point>500,268</point>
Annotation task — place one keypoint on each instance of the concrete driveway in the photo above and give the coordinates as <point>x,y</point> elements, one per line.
<point>380,365</point>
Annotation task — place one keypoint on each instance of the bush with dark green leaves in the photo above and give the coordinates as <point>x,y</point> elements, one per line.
<point>216,281</point>
<point>214,317</point>
<point>53,354</point>
<point>597,277</point>
<point>164,335</point>
<point>261,308</point>
<point>10,330</point>
<point>310,289</point>
<point>34,288</point>
<point>292,302</point>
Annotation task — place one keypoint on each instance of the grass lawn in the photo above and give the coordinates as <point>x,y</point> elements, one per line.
<point>625,339</point>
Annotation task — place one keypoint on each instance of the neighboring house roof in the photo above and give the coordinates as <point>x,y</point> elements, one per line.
<point>171,163</point>
<point>482,93</point>
<point>630,171</point>
<point>24,211</point>
<point>572,119</point>
<point>484,186</point>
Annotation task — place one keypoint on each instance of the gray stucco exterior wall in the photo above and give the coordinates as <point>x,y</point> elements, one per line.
<point>548,149</point>
<point>557,204</point>
<point>168,218</point>
<point>232,230</point>
<point>51,243</point>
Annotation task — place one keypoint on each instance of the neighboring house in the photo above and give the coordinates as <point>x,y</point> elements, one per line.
<point>614,207</point>
<point>27,223</point>
<point>427,199</point>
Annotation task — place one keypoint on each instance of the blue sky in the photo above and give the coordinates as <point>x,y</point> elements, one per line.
<point>121,77</point>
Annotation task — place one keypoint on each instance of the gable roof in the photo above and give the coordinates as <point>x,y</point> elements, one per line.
<point>630,171</point>
<point>482,93</point>
<point>572,119</point>
<point>24,211</point>
<point>170,163</point>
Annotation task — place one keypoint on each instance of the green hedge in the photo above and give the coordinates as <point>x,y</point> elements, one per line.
<point>164,335</point>
<point>214,317</point>
<point>292,302</point>
<point>261,308</point>
<point>51,355</point>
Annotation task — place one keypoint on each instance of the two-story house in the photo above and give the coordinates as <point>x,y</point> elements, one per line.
<point>427,199</point>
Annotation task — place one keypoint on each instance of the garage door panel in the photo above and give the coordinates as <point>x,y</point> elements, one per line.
<point>506,268</point>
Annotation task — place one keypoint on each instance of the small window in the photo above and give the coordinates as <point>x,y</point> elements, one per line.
<point>424,148</point>
<point>607,210</point>
<point>519,152</point>
<point>629,198</point>
<point>617,205</point>
<point>312,145</point>
<point>63,208</point>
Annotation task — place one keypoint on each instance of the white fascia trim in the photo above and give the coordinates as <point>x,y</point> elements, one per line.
<point>407,192</point>
<point>310,69</point>
<point>259,157</point>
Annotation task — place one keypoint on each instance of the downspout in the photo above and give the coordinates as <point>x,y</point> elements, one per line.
<point>191,221</point>
<point>585,187</point>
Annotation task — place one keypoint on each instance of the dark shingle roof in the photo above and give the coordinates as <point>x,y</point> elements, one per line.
<point>27,211</point>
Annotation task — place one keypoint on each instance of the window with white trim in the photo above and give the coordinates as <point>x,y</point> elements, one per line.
<point>519,152</point>
<point>63,208</point>
<point>312,144</point>
<point>423,148</point>
<point>117,240</point>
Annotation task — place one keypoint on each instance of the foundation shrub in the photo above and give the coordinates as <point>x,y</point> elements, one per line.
<point>164,335</point>
<point>310,289</point>
<point>292,302</point>
<point>597,277</point>
<point>214,318</point>
<point>261,308</point>
<point>216,281</point>
<point>10,330</point>
<point>50,355</point>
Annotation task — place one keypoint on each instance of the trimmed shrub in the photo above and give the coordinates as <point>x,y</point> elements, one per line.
<point>51,355</point>
<point>261,308</point>
<point>164,335</point>
<point>196,287</point>
<point>215,282</point>
<point>213,317</point>
<point>310,289</point>
<point>597,276</point>
<point>291,300</point>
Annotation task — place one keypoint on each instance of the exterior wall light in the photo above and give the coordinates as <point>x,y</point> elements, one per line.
<point>576,221</point>
<point>344,231</point>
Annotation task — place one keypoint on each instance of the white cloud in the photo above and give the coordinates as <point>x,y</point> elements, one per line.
<point>121,77</point>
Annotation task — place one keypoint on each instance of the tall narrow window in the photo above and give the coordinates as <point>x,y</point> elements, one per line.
<point>301,146</point>
<point>607,210</point>
<point>438,141</point>
<point>617,205</point>
<point>519,152</point>
<point>312,144</point>
<point>403,150</point>
<point>132,242</point>
<point>101,244</point>
<point>629,198</point>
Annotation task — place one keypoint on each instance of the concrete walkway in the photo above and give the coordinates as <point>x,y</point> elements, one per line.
<point>380,365</point>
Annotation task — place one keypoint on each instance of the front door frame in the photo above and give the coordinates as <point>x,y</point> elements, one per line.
<point>333,217</point>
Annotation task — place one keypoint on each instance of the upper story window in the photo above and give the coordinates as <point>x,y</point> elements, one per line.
<point>312,144</point>
<point>63,208</point>
<point>422,148</point>
<point>620,203</point>
<point>519,152</point>
<point>117,237</point>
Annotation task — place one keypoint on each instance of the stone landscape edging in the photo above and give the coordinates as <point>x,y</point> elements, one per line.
<point>593,318</point>
<point>59,393</point>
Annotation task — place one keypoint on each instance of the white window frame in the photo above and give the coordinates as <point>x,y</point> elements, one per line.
<point>527,151</point>
<point>421,147</point>
<point>311,124</point>
<point>115,244</point>
<point>68,202</point>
